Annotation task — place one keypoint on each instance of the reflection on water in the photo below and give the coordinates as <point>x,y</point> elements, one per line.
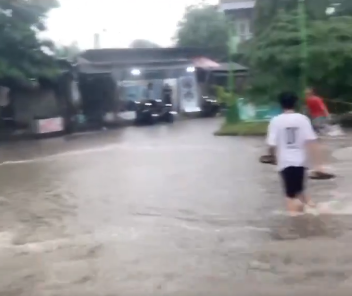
<point>158,209</point>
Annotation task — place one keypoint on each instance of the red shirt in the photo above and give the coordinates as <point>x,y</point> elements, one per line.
<point>316,107</point>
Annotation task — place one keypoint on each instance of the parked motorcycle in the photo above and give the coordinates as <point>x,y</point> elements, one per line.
<point>165,113</point>
<point>144,112</point>
<point>152,111</point>
<point>210,107</point>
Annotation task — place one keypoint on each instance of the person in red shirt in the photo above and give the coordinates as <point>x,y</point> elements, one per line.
<point>317,110</point>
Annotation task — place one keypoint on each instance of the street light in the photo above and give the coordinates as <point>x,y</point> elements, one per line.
<point>332,9</point>
<point>136,72</point>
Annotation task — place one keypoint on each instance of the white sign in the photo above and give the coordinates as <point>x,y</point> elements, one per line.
<point>128,115</point>
<point>189,94</point>
<point>50,125</point>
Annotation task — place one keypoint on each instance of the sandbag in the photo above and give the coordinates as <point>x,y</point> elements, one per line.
<point>314,175</point>
<point>268,159</point>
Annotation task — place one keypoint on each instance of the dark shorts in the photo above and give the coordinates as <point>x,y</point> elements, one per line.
<point>293,181</point>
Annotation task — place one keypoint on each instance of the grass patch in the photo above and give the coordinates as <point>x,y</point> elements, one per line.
<point>243,129</point>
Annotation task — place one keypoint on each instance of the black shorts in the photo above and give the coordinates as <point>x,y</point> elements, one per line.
<point>293,181</point>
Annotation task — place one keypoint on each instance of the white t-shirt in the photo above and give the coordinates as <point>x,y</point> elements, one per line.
<point>289,133</point>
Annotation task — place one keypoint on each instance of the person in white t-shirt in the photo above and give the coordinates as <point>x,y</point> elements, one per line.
<point>292,139</point>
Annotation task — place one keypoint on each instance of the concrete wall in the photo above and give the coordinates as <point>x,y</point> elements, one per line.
<point>31,104</point>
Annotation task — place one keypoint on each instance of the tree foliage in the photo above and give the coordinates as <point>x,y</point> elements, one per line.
<point>275,56</point>
<point>69,52</point>
<point>203,26</point>
<point>22,54</point>
<point>142,43</point>
<point>265,11</point>
<point>343,7</point>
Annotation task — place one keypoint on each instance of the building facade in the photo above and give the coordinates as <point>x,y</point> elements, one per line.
<point>241,13</point>
<point>123,76</point>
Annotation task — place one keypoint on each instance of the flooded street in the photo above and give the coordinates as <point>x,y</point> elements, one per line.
<point>166,210</point>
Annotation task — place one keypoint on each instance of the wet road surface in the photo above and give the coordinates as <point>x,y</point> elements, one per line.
<point>165,210</point>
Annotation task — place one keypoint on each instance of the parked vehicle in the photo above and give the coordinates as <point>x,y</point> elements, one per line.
<point>144,113</point>
<point>153,111</point>
<point>210,107</point>
<point>166,114</point>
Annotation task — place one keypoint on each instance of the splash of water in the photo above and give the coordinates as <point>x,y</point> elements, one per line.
<point>333,207</point>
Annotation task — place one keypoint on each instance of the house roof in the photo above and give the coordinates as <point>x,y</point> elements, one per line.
<point>236,4</point>
<point>95,68</point>
<point>141,55</point>
<point>225,67</point>
<point>205,63</point>
<point>104,60</point>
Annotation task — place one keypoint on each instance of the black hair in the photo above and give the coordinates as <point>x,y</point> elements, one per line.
<point>288,100</point>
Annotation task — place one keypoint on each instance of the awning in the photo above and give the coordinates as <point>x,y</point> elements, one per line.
<point>205,63</point>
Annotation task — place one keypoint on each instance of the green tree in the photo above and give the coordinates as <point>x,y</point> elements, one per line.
<point>22,54</point>
<point>69,52</point>
<point>343,7</point>
<point>142,43</point>
<point>276,62</point>
<point>265,11</point>
<point>203,26</point>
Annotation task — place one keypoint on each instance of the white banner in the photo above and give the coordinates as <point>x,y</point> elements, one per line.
<point>188,94</point>
<point>50,125</point>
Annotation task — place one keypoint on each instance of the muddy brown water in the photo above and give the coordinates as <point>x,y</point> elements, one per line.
<point>166,210</point>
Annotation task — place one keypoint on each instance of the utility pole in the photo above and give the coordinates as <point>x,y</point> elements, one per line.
<point>96,41</point>
<point>97,38</point>
<point>302,18</point>
<point>232,110</point>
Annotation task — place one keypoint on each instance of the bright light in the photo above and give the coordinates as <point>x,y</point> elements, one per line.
<point>330,10</point>
<point>190,69</point>
<point>136,72</point>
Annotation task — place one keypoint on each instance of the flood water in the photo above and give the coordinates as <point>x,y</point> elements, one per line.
<point>166,210</point>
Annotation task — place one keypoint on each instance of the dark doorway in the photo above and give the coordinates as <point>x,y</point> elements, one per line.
<point>98,97</point>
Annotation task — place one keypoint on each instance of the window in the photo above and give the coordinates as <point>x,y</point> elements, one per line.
<point>243,28</point>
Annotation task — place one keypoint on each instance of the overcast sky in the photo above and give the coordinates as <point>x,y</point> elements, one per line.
<point>122,21</point>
